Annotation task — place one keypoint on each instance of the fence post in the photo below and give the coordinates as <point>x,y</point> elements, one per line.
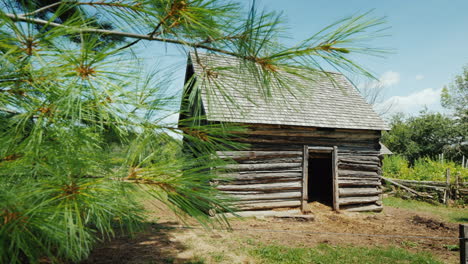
<point>463,243</point>
<point>447,183</point>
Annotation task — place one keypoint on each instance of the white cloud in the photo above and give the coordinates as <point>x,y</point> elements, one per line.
<point>419,77</point>
<point>389,78</point>
<point>413,103</point>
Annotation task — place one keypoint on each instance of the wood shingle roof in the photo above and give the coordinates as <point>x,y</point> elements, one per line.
<point>230,94</point>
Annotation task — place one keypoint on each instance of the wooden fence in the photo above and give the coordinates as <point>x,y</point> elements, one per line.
<point>441,191</point>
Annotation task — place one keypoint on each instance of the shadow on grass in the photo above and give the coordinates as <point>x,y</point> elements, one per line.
<point>461,219</point>
<point>153,245</point>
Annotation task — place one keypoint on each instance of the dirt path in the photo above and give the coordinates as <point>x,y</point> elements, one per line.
<point>162,243</point>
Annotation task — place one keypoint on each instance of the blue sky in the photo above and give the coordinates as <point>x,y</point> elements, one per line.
<point>429,40</point>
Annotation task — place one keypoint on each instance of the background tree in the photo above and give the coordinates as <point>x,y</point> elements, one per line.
<point>82,135</point>
<point>426,135</point>
<point>455,96</point>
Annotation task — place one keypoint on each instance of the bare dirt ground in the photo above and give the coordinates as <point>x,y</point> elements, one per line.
<point>166,242</point>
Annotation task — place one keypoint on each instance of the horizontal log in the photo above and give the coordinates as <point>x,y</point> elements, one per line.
<point>359,167</point>
<point>354,159</point>
<point>312,133</point>
<point>363,208</point>
<point>271,160</point>
<point>256,154</point>
<point>320,149</point>
<point>252,167</point>
<point>347,192</point>
<point>351,173</point>
<point>435,183</point>
<point>371,163</point>
<point>357,153</point>
<point>343,150</point>
<point>407,188</point>
<point>255,176</point>
<point>358,200</point>
<point>358,182</point>
<point>307,128</point>
<point>304,141</point>
<point>261,181</point>
<point>266,196</point>
<point>268,213</point>
<point>261,187</point>
<point>360,178</point>
<point>255,201</point>
<point>424,186</point>
<point>261,206</point>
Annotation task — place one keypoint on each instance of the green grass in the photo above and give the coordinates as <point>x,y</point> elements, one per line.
<point>451,214</point>
<point>339,254</point>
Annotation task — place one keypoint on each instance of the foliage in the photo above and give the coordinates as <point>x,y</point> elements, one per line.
<point>332,254</point>
<point>455,96</point>
<point>424,169</point>
<point>426,135</point>
<point>84,127</point>
<point>451,214</point>
<point>62,218</point>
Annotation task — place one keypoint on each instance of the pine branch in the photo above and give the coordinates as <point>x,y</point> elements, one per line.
<point>79,3</point>
<point>19,18</point>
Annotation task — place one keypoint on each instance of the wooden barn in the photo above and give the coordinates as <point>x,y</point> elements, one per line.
<point>319,142</point>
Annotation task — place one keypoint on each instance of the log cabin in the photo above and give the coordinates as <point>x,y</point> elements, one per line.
<point>315,140</point>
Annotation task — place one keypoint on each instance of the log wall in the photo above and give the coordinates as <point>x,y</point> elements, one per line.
<point>264,179</point>
<point>269,175</point>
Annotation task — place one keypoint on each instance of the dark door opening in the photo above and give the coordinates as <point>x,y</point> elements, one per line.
<point>320,182</point>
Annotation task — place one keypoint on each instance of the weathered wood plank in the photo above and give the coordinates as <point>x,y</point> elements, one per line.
<point>345,178</point>
<point>407,188</point>
<point>321,149</point>
<point>358,167</point>
<point>263,213</point>
<point>435,183</point>
<point>254,176</point>
<point>347,192</point>
<point>255,201</point>
<point>271,160</point>
<point>336,205</point>
<point>351,159</point>
<point>257,167</point>
<point>260,181</point>
<point>358,182</point>
<point>356,153</point>
<point>351,173</point>
<point>363,208</point>
<point>365,144</point>
<point>364,162</point>
<point>261,206</point>
<point>305,178</point>
<point>358,200</point>
<point>266,196</point>
<point>265,187</point>
<point>256,154</point>
<point>308,134</point>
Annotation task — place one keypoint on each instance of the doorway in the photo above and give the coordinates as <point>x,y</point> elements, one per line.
<point>320,182</point>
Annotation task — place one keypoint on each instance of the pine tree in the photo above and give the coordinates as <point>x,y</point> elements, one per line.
<point>81,135</point>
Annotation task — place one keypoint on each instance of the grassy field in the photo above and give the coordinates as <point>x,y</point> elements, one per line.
<point>270,240</point>
<point>339,254</point>
<point>450,214</point>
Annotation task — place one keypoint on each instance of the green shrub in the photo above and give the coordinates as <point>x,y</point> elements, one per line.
<point>395,166</point>
<point>424,169</point>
